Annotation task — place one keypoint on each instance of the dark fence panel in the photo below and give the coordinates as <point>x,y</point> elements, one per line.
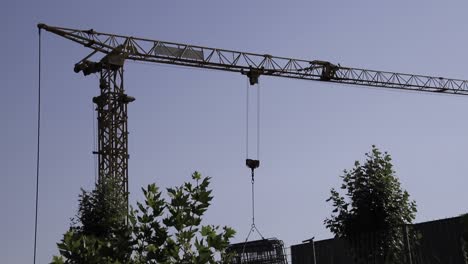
<point>435,242</point>
<point>441,242</point>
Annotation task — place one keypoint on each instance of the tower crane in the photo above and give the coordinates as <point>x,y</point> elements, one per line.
<point>111,103</point>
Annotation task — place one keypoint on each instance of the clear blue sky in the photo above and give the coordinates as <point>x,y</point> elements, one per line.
<point>185,120</point>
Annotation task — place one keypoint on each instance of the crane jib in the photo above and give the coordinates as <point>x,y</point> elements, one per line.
<point>157,51</point>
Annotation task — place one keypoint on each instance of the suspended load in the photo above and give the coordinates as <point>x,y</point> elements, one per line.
<point>264,251</point>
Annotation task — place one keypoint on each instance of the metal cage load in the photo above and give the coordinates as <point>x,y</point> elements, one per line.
<point>265,251</point>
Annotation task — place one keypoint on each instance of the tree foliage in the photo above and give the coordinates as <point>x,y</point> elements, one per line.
<point>172,232</point>
<point>157,231</point>
<point>99,233</point>
<point>373,204</point>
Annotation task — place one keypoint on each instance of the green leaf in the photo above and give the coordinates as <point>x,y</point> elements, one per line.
<point>196,176</point>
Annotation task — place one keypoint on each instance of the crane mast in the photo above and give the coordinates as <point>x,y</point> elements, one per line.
<point>111,106</point>
<point>112,102</point>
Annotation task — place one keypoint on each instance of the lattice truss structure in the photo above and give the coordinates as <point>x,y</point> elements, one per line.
<point>111,106</point>
<point>253,64</point>
<point>265,251</point>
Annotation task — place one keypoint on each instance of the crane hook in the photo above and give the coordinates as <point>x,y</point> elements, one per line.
<point>252,164</point>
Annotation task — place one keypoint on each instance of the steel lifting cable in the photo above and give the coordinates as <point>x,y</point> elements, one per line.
<point>253,227</point>
<point>251,163</point>
<point>247,120</point>
<point>38,144</point>
<point>247,103</point>
<point>258,120</point>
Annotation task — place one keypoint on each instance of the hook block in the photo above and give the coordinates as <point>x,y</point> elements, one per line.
<point>252,164</point>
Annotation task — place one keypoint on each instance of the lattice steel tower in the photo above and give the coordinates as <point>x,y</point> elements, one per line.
<point>111,107</point>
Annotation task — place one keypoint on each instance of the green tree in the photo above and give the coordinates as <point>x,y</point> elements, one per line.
<point>373,206</point>
<point>172,232</point>
<point>158,231</point>
<point>99,233</point>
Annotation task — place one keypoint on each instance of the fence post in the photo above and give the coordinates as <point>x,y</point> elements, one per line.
<point>407,244</point>
<point>313,250</point>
